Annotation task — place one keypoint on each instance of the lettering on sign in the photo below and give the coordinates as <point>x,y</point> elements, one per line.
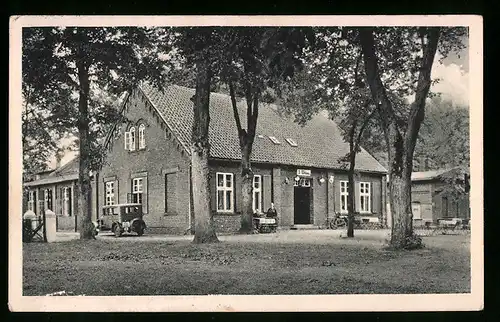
<point>303,172</point>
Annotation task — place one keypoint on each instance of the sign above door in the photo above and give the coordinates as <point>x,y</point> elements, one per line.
<point>303,173</point>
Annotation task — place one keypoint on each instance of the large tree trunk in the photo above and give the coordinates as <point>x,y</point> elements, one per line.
<point>400,147</point>
<point>351,197</point>
<point>246,191</point>
<point>246,138</point>
<point>402,226</point>
<point>84,189</point>
<point>200,151</point>
<point>351,188</point>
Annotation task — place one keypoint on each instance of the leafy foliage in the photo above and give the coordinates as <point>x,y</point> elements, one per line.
<point>115,59</point>
<point>444,138</point>
<point>40,132</point>
<point>80,67</point>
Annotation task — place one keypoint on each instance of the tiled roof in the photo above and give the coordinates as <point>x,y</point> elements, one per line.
<point>52,179</point>
<point>67,172</point>
<point>319,142</point>
<point>69,168</point>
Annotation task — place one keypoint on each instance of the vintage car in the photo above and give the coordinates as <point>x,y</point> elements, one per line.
<point>122,218</point>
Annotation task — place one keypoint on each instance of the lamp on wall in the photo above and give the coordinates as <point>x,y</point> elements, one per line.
<point>297,178</point>
<point>322,180</point>
<point>286,180</point>
<point>331,179</point>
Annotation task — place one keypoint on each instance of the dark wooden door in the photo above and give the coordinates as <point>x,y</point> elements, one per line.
<point>302,205</point>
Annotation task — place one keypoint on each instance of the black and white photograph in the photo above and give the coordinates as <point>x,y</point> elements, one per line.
<point>205,164</point>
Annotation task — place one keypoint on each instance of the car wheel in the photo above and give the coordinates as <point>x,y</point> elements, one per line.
<point>117,230</point>
<point>140,231</point>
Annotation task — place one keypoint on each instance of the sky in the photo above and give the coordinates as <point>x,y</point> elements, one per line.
<point>453,75</point>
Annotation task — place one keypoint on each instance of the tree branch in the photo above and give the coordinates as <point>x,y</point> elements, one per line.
<point>253,119</point>
<point>248,98</point>
<point>358,61</point>
<point>352,146</point>
<point>392,132</point>
<point>377,88</point>
<point>417,110</point>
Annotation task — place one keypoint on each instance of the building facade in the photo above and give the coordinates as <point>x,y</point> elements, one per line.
<point>55,190</point>
<point>433,200</point>
<point>296,168</point>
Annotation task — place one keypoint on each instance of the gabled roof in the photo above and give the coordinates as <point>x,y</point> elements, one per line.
<point>430,175</point>
<point>67,172</point>
<point>69,168</point>
<point>319,142</point>
<point>50,180</point>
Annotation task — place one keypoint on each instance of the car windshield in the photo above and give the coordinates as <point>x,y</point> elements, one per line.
<point>131,209</point>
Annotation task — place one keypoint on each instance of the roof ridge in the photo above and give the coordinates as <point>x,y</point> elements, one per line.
<point>322,145</point>
<point>170,128</point>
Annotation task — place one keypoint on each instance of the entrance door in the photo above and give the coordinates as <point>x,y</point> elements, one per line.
<point>302,205</point>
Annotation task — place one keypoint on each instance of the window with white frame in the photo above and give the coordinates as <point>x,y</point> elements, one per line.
<point>142,136</point>
<point>110,193</point>
<point>257,193</point>
<point>343,196</point>
<point>132,139</point>
<point>127,141</point>
<point>137,190</point>
<point>365,197</point>
<point>224,192</point>
<point>31,200</point>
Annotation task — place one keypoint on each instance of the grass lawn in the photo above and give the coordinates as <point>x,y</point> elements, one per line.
<point>133,266</point>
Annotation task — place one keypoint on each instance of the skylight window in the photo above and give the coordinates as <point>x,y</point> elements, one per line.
<point>274,140</point>
<point>291,142</point>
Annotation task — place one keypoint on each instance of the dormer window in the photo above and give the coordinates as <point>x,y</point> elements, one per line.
<point>142,136</point>
<point>291,142</point>
<point>274,140</point>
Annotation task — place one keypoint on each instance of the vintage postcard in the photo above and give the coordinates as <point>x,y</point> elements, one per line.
<point>245,163</point>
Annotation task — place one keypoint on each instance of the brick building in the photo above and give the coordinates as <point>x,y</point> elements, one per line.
<point>432,197</point>
<point>55,190</point>
<point>297,168</point>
